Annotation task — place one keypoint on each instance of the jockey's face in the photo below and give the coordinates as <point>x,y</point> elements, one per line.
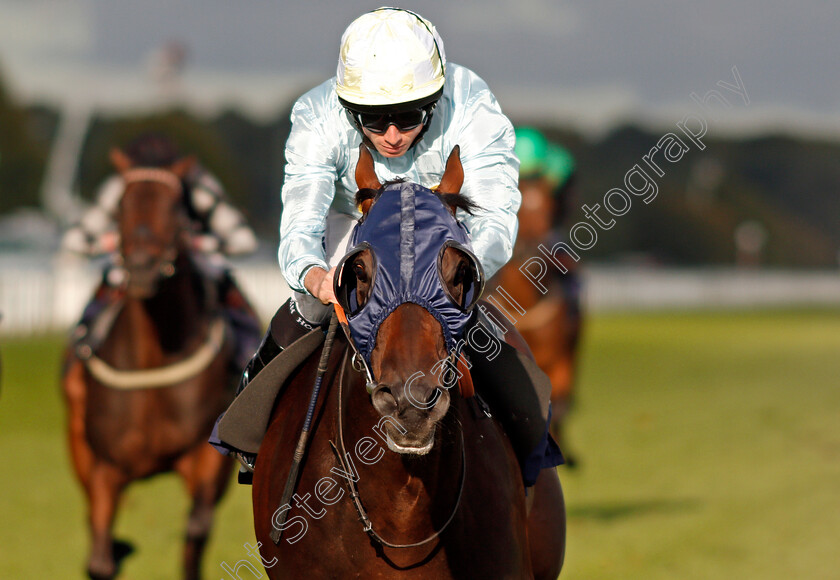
<point>393,142</point>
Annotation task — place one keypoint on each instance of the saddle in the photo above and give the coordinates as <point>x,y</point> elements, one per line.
<point>244,424</point>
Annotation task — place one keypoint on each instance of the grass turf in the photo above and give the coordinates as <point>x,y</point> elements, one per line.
<point>709,446</point>
<point>43,529</point>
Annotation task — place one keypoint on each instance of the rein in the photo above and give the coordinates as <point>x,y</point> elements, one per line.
<point>161,376</point>
<point>354,491</point>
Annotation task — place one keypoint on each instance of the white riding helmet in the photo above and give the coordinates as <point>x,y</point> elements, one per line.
<point>390,56</point>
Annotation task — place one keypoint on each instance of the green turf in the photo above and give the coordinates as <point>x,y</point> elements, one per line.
<point>43,531</point>
<point>709,446</point>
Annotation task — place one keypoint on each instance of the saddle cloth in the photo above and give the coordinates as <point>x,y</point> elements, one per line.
<point>244,424</point>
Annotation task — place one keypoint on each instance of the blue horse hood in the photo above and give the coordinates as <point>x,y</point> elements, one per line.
<point>407,230</point>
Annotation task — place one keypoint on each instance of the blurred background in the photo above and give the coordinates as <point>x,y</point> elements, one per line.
<point>706,405</point>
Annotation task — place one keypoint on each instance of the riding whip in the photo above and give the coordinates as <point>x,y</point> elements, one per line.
<point>300,450</point>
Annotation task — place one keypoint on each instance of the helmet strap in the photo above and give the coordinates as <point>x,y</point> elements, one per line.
<point>426,123</point>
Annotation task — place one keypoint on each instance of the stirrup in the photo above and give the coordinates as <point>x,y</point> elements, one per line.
<point>245,476</point>
<point>247,461</point>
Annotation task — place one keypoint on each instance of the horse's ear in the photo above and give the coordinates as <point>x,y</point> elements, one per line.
<point>183,166</point>
<point>366,176</point>
<point>120,160</point>
<point>453,175</point>
<point>365,172</point>
<point>365,206</point>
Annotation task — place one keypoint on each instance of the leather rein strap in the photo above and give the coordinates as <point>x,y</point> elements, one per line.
<point>354,490</point>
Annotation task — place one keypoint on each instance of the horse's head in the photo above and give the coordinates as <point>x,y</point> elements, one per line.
<point>408,286</point>
<point>537,212</point>
<point>152,221</point>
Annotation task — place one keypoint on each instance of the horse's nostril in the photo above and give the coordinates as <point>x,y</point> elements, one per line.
<point>439,403</point>
<point>383,400</point>
<point>433,397</point>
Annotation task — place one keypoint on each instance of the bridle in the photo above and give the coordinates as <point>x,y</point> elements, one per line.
<point>353,489</point>
<point>455,359</point>
<point>166,261</point>
<point>157,377</point>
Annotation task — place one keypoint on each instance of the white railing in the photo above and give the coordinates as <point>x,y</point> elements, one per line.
<point>633,288</point>
<point>36,299</point>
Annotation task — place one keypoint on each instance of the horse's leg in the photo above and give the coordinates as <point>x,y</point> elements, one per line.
<point>207,474</point>
<point>104,486</point>
<point>563,379</point>
<point>75,391</point>
<point>101,482</point>
<point>560,375</point>
<point>547,527</point>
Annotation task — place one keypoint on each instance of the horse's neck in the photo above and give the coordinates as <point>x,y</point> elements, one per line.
<point>517,285</point>
<point>171,320</point>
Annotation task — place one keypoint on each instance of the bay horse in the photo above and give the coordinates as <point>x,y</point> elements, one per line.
<point>549,326</point>
<point>433,479</point>
<point>144,400</point>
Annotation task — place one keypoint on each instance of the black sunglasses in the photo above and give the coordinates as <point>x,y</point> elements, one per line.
<point>405,121</point>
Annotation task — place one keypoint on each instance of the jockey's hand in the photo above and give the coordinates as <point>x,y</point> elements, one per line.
<point>205,243</point>
<point>109,242</point>
<point>319,283</point>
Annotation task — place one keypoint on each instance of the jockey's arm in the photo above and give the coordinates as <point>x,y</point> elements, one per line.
<point>319,283</point>
<point>96,232</point>
<point>227,230</point>
<point>308,192</point>
<point>491,174</point>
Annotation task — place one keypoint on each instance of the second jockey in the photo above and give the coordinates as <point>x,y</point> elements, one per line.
<point>218,230</point>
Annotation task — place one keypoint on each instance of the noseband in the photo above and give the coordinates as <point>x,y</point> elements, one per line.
<point>153,174</point>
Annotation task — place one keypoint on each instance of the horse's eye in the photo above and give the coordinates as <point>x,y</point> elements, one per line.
<point>359,271</point>
<point>461,274</point>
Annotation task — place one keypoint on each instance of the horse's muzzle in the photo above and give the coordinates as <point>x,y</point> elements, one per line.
<point>145,271</point>
<point>417,409</point>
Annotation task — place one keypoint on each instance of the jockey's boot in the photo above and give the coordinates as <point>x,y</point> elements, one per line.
<point>516,390</point>
<point>285,328</point>
<point>98,315</point>
<point>244,320</point>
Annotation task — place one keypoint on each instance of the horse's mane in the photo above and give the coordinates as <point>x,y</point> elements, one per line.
<point>454,200</point>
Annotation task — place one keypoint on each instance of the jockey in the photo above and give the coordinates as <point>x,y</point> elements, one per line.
<point>545,163</point>
<point>219,230</point>
<point>540,159</point>
<point>395,92</point>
